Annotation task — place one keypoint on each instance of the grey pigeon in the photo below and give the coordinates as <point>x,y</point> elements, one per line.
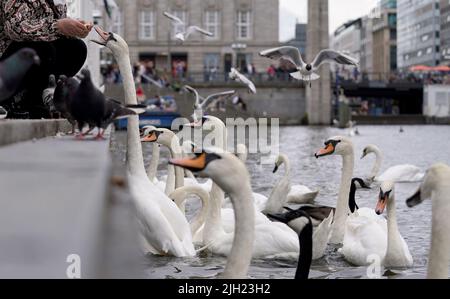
<point>47,94</point>
<point>88,105</point>
<point>13,70</point>
<point>62,97</point>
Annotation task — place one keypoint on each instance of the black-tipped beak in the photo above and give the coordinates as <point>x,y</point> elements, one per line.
<point>278,217</point>
<point>275,169</point>
<point>414,200</point>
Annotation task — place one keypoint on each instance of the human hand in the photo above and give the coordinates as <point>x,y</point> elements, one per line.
<point>88,25</point>
<point>72,28</point>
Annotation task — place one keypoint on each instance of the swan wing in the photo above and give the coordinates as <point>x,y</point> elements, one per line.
<point>162,224</point>
<point>401,173</point>
<point>300,194</point>
<point>364,236</point>
<point>321,237</point>
<point>275,240</point>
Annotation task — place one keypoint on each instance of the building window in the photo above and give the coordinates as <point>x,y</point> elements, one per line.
<point>212,23</point>
<point>429,50</point>
<point>181,14</point>
<point>117,26</point>
<point>147,25</point>
<point>244,25</point>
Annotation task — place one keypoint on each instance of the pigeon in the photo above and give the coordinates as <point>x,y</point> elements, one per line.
<point>203,104</point>
<point>64,92</point>
<point>307,71</point>
<point>13,70</point>
<point>235,75</point>
<point>116,110</point>
<point>48,93</point>
<point>3,113</point>
<point>88,105</point>
<point>184,35</point>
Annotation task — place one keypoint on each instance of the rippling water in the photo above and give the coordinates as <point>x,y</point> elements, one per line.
<point>418,145</point>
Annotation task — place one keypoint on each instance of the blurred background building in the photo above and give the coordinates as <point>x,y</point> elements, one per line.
<point>418,33</point>
<point>445,30</point>
<point>241,29</point>
<point>300,37</point>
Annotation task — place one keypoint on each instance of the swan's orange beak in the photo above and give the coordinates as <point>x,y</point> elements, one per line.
<point>381,205</point>
<point>151,137</point>
<point>196,164</point>
<point>328,150</point>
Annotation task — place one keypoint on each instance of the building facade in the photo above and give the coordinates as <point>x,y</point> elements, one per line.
<point>241,28</point>
<point>418,33</point>
<point>385,39</point>
<point>300,38</point>
<point>445,31</point>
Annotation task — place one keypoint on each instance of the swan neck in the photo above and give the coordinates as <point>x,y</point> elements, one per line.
<point>241,253</point>
<point>213,224</point>
<point>377,166</point>
<point>440,238</point>
<point>394,237</point>
<point>135,159</point>
<point>342,209</point>
<point>153,167</point>
<point>306,252</point>
<point>170,182</point>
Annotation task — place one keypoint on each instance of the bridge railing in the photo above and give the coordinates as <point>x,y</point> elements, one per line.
<point>392,77</point>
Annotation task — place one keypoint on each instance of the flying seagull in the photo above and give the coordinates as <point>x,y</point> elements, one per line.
<point>186,32</point>
<point>14,69</point>
<point>237,76</point>
<point>109,5</point>
<point>202,104</point>
<point>307,71</point>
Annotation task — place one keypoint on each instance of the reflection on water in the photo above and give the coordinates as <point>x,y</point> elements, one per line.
<point>418,145</point>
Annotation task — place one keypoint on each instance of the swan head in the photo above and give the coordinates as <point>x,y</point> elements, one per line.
<point>225,169</point>
<point>438,174</point>
<point>163,137</point>
<point>295,219</point>
<point>150,134</point>
<point>369,149</point>
<point>112,41</point>
<point>386,194</point>
<point>280,160</point>
<point>338,145</point>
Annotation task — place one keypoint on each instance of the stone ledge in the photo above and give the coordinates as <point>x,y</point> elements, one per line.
<point>13,131</point>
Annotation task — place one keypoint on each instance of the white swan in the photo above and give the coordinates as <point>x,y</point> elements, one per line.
<point>223,168</point>
<point>180,196</point>
<point>163,227</point>
<point>436,186</point>
<point>399,173</point>
<point>365,231</point>
<point>397,254</point>
<point>298,194</point>
<point>342,146</point>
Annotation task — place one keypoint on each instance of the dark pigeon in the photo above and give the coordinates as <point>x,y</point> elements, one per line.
<point>64,92</point>
<point>13,70</point>
<point>88,105</point>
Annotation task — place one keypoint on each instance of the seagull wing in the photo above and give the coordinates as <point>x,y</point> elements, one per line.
<point>195,93</point>
<point>193,29</point>
<point>174,18</point>
<point>291,54</point>
<point>245,80</point>
<point>156,83</point>
<point>212,97</point>
<point>329,56</point>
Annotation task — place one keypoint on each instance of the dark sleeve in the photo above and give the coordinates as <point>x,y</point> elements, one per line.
<point>24,22</point>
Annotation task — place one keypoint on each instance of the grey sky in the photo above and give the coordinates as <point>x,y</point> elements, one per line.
<point>340,11</point>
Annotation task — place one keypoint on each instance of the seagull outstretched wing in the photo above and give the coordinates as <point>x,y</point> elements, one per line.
<point>212,97</point>
<point>329,56</point>
<point>192,29</point>
<point>174,18</point>
<point>192,90</point>
<point>236,75</point>
<point>289,53</point>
